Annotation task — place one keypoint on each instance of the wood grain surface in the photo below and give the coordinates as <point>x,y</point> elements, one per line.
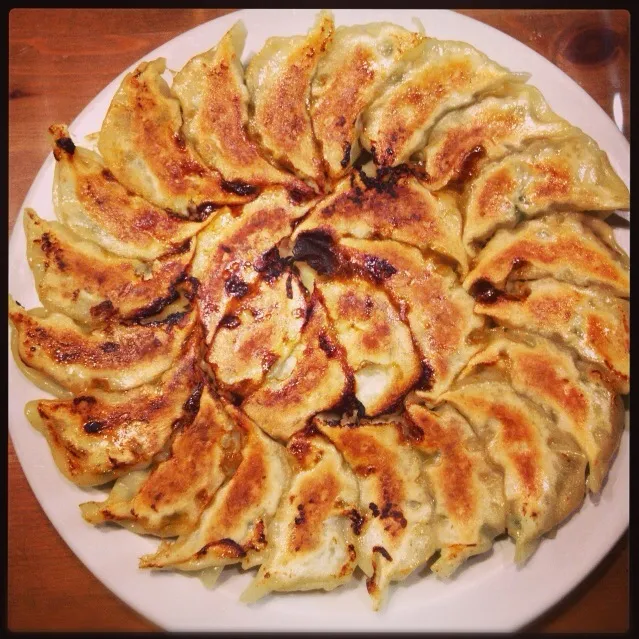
<point>58,61</point>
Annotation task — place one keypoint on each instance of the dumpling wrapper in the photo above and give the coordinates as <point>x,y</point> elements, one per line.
<point>429,80</point>
<point>169,499</point>
<point>548,175</point>
<point>310,544</point>
<point>349,75</point>
<point>214,100</point>
<point>142,145</point>
<point>114,358</point>
<point>571,247</point>
<point>488,130</point>
<point>544,469</point>
<point>235,527</point>
<point>95,206</point>
<point>549,376</point>
<point>81,280</point>
<point>278,79</point>
<point>99,437</point>
<point>593,322</point>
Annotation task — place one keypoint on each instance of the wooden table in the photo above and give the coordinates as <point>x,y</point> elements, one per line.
<point>58,61</point>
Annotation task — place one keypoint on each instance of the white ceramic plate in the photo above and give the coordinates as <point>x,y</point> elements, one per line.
<point>490,593</point>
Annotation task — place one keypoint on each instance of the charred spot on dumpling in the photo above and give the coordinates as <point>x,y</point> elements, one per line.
<point>66,144</point>
<point>236,287</point>
<point>485,292</point>
<point>316,249</point>
<point>379,268</point>
<point>238,187</point>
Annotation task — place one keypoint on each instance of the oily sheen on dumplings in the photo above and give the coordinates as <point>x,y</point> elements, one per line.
<point>352,310</point>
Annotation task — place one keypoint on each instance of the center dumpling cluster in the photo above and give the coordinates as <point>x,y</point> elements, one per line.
<point>346,308</point>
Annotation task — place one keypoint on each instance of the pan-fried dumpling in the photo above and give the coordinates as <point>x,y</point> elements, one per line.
<point>142,145</point>
<point>571,247</point>
<point>430,79</point>
<point>400,208</point>
<point>95,206</point>
<point>544,469</point>
<point>312,378</point>
<point>488,130</point>
<point>379,347</point>
<point>83,281</point>
<point>214,102</point>
<point>99,437</point>
<point>394,520</point>
<point>590,320</point>
<point>236,526</point>
<point>232,252</point>
<point>263,328</point>
<point>278,79</point>
<point>169,499</point>
<point>348,77</point>
<point>310,542</point>
<point>468,491</point>
<point>548,375</point>
<point>573,174</point>
<point>113,358</point>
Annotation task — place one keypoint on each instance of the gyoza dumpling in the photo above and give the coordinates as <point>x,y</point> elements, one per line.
<point>142,145</point>
<point>310,541</point>
<point>547,375</point>
<point>430,79</point>
<point>231,253</point>
<point>312,378</point>
<point>348,78</point>
<point>544,469</point>
<point>571,247</point>
<point>379,348</point>
<point>278,79</point>
<point>393,525</point>
<point>236,526</point>
<point>114,358</point>
<point>593,322</point>
<point>169,499</point>
<point>548,175</point>
<point>488,130</point>
<point>95,206</point>
<point>99,437</point>
<point>83,281</point>
<point>399,208</point>
<point>214,102</point>
<point>468,491</point>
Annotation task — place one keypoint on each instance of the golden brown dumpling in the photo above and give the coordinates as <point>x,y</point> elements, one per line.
<point>142,145</point>
<point>279,83</point>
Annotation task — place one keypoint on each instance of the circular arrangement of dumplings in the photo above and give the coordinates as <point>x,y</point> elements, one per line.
<point>352,305</point>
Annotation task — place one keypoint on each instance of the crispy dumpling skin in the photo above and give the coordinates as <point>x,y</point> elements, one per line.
<point>232,252</point>
<point>114,358</point>
<point>142,145</point>
<point>593,322</point>
<point>262,329</point>
<point>168,499</point>
<point>312,378</point>
<point>548,175</point>
<point>544,469</point>
<point>468,490</point>
<point>379,348</point>
<point>549,376</point>
<point>571,247</point>
<point>278,79</point>
<point>488,130</point>
<point>235,527</point>
<point>400,208</point>
<point>348,78</point>
<point>214,102</point>
<point>99,437</point>
<point>95,206</point>
<point>83,281</point>
<point>310,545</point>
<point>393,524</point>
<point>430,79</point>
